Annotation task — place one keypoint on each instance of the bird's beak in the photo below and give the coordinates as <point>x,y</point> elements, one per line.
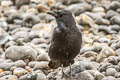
<point>53,13</point>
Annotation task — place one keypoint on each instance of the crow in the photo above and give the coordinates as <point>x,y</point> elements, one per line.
<point>66,40</point>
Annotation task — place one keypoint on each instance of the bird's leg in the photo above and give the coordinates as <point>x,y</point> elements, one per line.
<point>63,73</point>
<point>70,70</point>
<point>62,70</point>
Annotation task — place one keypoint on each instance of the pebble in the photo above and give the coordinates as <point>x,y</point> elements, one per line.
<point>117,52</point>
<point>113,60</point>
<point>30,19</point>
<point>118,10</point>
<point>110,72</point>
<point>115,20</point>
<point>12,14</point>
<point>104,66</point>
<point>19,72</point>
<point>40,51</point>
<point>7,65</point>
<point>104,40</point>
<point>114,5</point>
<point>20,63</point>
<point>42,29</point>
<point>32,64</point>
<point>95,47</point>
<point>43,8</point>
<point>6,4</point>
<point>38,41</point>
<point>107,30</point>
<point>9,77</point>
<point>18,22</point>
<point>78,67</point>
<point>3,25</point>
<point>20,53</point>
<point>79,8</point>
<point>25,34</point>
<point>90,54</point>
<point>45,17</point>
<point>1,52</point>
<point>4,37</point>
<point>110,14</point>
<point>115,44</point>
<point>97,75</point>
<point>98,9</point>
<point>41,65</point>
<point>21,34</point>
<point>33,34</point>
<point>43,57</point>
<point>4,73</point>
<point>117,75</point>
<point>41,76</point>
<point>29,76</point>
<point>105,52</point>
<point>32,10</point>
<point>85,75</point>
<point>19,3</point>
<point>101,21</point>
<point>109,78</point>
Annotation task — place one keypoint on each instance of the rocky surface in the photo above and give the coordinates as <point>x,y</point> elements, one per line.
<point>25,33</point>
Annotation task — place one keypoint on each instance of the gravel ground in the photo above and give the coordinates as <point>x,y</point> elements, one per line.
<point>25,33</point>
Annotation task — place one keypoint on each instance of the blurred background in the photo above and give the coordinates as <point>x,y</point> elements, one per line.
<point>25,34</point>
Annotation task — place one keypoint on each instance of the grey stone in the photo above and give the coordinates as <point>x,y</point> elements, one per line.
<point>20,53</point>
<point>4,37</point>
<point>110,14</point>
<point>8,65</point>
<point>117,75</point>
<point>21,34</point>
<point>113,60</point>
<point>30,19</point>
<point>19,3</point>
<point>114,5</point>
<point>41,76</point>
<point>9,77</point>
<point>84,76</point>
<point>109,78</point>
<point>79,8</point>
<point>32,64</point>
<point>115,20</point>
<point>3,25</point>
<point>29,76</point>
<point>41,65</point>
<point>105,52</point>
<point>19,72</point>
<point>43,57</point>
<point>110,72</point>
<point>5,73</point>
<point>117,52</point>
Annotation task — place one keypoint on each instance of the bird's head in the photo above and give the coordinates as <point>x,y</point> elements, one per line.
<point>63,17</point>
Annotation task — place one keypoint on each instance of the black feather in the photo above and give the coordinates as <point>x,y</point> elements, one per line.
<point>66,41</point>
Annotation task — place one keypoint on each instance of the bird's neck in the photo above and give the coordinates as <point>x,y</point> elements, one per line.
<point>64,27</point>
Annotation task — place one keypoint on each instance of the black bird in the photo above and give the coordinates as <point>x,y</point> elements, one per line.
<point>66,40</point>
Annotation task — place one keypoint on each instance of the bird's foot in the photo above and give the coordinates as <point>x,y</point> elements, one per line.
<point>64,75</point>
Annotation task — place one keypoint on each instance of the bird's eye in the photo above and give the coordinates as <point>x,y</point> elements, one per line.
<point>61,15</point>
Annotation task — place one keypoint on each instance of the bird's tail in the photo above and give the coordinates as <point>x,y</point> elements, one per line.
<point>54,64</point>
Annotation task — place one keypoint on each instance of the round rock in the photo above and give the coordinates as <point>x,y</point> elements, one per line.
<point>110,72</point>
<point>19,72</point>
<point>109,78</point>
<point>9,77</point>
<point>20,53</point>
